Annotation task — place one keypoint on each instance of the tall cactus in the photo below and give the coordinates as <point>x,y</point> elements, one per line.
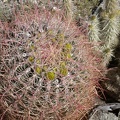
<point>108,29</point>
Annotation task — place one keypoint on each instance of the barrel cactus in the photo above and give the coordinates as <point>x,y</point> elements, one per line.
<point>48,69</point>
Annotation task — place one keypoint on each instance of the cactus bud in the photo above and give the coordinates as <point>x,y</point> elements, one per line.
<point>50,75</point>
<point>38,70</point>
<point>31,59</point>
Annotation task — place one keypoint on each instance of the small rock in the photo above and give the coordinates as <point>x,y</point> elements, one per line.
<point>101,115</point>
<point>112,85</point>
<point>106,112</point>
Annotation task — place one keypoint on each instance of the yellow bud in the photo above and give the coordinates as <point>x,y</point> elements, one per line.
<point>60,36</point>
<point>38,61</point>
<point>68,55</point>
<point>93,17</point>
<point>38,70</point>
<point>111,16</point>
<point>63,71</point>
<point>107,50</point>
<point>62,64</point>
<point>90,26</point>
<point>50,75</point>
<point>32,47</point>
<point>50,32</point>
<point>68,47</point>
<point>31,59</point>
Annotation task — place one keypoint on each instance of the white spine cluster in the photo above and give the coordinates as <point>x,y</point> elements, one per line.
<point>68,5</point>
<point>94,30</point>
<point>106,29</point>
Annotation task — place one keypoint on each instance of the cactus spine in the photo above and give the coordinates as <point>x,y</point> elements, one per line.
<point>48,71</point>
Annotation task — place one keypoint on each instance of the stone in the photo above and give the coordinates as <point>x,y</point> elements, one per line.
<point>109,111</point>
<point>100,115</point>
<point>112,84</point>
